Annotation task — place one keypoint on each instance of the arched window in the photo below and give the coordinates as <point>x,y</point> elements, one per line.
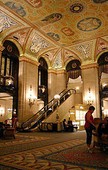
<point>9,73</point>
<point>9,64</point>
<point>73,69</point>
<point>43,80</point>
<point>103,63</point>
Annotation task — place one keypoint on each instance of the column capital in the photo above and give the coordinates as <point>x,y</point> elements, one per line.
<point>25,59</point>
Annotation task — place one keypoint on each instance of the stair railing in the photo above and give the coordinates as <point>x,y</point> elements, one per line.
<point>43,113</point>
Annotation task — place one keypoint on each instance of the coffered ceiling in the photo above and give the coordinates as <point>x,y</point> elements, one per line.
<point>78,28</point>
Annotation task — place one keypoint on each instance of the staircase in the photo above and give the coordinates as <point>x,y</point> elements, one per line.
<point>46,111</point>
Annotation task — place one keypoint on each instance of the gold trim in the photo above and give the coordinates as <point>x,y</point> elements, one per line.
<point>95,65</point>
<point>24,59</point>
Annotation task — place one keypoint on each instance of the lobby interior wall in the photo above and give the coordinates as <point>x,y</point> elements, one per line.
<point>28,80</point>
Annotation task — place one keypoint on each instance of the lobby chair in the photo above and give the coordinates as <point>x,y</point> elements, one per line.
<point>9,132</point>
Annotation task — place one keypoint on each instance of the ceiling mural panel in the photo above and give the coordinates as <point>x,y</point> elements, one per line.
<point>69,55</point>
<point>50,55</point>
<point>101,45</point>
<point>70,28</point>
<point>35,4</point>
<point>85,50</point>
<point>57,63</point>
<point>89,24</point>
<point>100,1</point>
<point>16,7</point>
<point>6,22</point>
<point>64,22</point>
<point>38,43</point>
<point>21,36</point>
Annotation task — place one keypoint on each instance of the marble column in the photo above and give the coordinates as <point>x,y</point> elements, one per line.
<point>28,83</point>
<point>91,87</point>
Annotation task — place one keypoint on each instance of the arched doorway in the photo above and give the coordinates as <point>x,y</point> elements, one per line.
<point>9,80</point>
<point>43,80</point>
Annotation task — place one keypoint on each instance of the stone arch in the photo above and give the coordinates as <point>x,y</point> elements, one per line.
<point>73,69</point>
<point>9,74</point>
<point>16,43</point>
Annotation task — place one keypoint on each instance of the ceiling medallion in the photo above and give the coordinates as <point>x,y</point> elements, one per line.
<point>100,1</point>
<point>89,24</point>
<point>54,36</point>
<point>76,8</point>
<point>74,65</point>
<point>106,58</point>
<point>9,48</point>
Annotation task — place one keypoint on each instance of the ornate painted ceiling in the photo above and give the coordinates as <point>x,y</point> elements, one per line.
<point>62,28</point>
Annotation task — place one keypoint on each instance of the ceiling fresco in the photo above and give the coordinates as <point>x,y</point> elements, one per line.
<point>53,27</point>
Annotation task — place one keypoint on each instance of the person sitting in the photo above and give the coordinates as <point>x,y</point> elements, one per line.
<point>70,124</point>
<point>69,121</point>
<point>67,127</point>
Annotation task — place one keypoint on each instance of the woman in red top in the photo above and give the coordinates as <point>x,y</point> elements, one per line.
<point>89,126</point>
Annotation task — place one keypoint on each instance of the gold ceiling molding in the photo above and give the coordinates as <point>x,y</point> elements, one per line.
<point>88,66</point>
<point>50,70</point>
<point>73,22</point>
<point>75,26</point>
<point>25,59</point>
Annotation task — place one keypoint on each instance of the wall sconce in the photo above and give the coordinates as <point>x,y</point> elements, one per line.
<point>1,111</point>
<point>42,88</point>
<point>31,97</point>
<point>89,98</point>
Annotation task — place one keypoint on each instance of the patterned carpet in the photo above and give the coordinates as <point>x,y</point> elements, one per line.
<point>78,155</point>
<point>20,143</point>
<point>36,152</point>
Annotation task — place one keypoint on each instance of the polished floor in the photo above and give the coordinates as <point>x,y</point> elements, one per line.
<point>25,152</point>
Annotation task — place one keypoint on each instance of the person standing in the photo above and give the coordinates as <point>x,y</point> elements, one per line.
<point>89,126</point>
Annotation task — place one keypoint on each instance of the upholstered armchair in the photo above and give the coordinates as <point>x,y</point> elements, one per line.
<point>9,132</point>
